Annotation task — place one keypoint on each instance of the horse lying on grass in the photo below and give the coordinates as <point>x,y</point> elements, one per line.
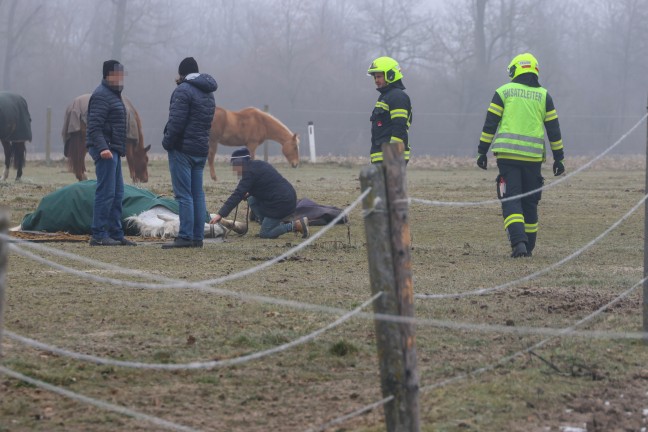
<point>74,137</point>
<point>249,128</point>
<point>15,130</point>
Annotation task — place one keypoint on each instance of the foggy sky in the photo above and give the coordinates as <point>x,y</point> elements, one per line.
<point>307,60</point>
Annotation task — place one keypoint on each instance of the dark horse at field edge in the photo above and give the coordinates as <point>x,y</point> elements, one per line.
<point>15,131</point>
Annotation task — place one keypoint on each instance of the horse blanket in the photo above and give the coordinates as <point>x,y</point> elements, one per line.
<point>318,214</point>
<point>13,110</point>
<point>77,113</point>
<point>69,209</point>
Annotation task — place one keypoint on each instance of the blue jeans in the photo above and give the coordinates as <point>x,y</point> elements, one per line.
<point>270,228</point>
<point>187,179</point>
<point>107,211</point>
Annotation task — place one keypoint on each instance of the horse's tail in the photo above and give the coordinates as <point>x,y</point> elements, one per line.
<point>70,165</point>
<point>19,154</point>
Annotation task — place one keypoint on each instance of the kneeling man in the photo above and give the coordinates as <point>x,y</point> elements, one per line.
<point>270,196</point>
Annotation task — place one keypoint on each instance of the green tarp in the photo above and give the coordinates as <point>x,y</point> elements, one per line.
<point>69,209</point>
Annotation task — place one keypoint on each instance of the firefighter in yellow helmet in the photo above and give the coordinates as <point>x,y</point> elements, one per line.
<point>392,114</point>
<point>517,118</point>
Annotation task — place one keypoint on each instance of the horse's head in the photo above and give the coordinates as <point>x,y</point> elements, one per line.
<point>290,150</point>
<point>140,164</point>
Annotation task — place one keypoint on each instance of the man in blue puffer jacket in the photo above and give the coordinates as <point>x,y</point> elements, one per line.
<point>106,140</point>
<point>186,139</point>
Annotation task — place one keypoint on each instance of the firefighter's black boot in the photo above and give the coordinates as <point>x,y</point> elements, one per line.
<point>519,250</point>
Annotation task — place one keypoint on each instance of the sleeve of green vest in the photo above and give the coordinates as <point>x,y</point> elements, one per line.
<point>553,130</point>
<point>493,118</point>
<point>399,111</point>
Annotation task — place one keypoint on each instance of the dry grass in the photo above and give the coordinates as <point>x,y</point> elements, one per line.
<point>454,249</point>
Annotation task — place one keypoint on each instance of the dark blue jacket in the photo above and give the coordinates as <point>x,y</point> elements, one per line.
<point>389,121</point>
<point>275,195</point>
<point>106,124</point>
<point>191,112</point>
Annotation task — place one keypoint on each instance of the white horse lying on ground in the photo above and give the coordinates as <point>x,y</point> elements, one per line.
<point>161,222</point>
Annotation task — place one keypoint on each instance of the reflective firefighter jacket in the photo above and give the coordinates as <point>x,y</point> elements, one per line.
<point>390,119</point>
<point>522,110</point>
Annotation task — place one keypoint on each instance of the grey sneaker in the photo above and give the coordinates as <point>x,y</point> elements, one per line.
<point>106,241</point>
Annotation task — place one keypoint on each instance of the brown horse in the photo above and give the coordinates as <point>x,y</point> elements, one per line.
<point>15,130</point>
<point>249,128</point>
<point>74,137</point>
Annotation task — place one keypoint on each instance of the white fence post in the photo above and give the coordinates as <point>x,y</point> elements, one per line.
<point>311,141</point>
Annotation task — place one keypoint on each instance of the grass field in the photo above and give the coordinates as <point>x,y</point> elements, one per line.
<point>571,381</point>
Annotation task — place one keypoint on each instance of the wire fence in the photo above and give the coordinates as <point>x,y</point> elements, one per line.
<point>206,286</point>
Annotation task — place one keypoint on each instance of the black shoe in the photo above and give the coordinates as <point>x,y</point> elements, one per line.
<point>125,242</point>
<point>198,243</point>
<point>106,241</point>
<point>179,242</point>
<point>519,250</point>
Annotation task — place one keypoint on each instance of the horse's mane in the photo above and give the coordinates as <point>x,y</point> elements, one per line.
<point>277,121</point>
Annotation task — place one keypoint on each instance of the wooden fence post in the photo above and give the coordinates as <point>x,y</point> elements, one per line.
<point>381,273</point>
<point>388,248</point>
<point>396,186</point>
<point>4,253</point>
<point>266,108</point>
<point>48,138</point>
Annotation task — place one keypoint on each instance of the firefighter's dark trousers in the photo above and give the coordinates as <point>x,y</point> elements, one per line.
<point>520,215</point>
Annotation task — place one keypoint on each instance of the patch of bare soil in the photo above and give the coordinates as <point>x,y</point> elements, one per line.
<point>617,406</point>
<point>561,300</point>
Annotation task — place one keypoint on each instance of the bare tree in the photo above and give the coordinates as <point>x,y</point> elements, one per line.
<point>17,25</point>
<point>395,28</point>
<point>118,33</point>
<point>625,39</point>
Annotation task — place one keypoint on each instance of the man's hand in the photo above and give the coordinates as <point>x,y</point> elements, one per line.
<point>482,161</point>
<point>558,168</point>
<point>106,154</point>
<point>215,219</point>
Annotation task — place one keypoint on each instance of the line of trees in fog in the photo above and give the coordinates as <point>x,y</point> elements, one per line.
<point>307,60</point>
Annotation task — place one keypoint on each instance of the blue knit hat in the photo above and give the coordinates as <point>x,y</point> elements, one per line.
<point>240,156</point>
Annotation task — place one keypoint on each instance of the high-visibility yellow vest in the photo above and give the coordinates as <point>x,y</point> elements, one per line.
<point>521,134</point>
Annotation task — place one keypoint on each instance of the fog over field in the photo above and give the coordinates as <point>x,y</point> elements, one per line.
<point>307,60</point>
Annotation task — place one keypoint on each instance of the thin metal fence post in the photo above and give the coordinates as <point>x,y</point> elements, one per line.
<point>645,273</point>
<point>4,253</point>
<point>266,108</point>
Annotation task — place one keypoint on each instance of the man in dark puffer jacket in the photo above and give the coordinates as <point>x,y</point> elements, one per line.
<point>186,139</point>
<point>106,139</point>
